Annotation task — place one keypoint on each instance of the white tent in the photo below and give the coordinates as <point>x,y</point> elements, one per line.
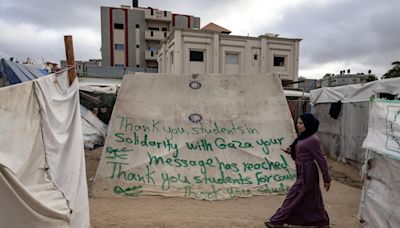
<point>42,167</point>
<point>342,137</point>
<point>380,201</point>
<point>93,129</point>
<point>200,136</point>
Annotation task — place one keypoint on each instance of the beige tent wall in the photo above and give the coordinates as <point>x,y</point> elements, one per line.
<point>199,136</point>
<point>27,194</point>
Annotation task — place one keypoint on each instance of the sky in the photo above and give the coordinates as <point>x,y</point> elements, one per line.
<point>359,35</point>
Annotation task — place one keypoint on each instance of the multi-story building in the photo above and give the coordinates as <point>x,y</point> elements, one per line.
<point>332,80</point>
<point>131,35</point>
<point>213,50</point>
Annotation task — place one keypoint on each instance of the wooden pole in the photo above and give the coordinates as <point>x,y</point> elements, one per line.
<point>69,52</point>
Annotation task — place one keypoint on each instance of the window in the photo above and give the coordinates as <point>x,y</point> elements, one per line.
<point>171,56</point>
<point>151,12</point>
<point>279,61</point>
<point>387,96</point>
<point>119,65</point>
<point>164,29</point>
<point>119,47</point>
<point>154,29</point>
<point>165,13</point>
<point>137,66</point>
<point>255,57</point>
<point>137,25</point>
<point>118,26</point>
<point>232,58</point>
<point>151,33</point>
<point>137,45</point>
<point>196,56</point>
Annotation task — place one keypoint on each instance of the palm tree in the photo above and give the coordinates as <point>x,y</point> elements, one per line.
<point>394,72</point>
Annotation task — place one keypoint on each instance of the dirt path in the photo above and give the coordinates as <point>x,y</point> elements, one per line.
<point>341,202</point>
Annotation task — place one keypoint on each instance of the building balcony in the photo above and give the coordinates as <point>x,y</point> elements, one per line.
<point>150,55</point>
<point>157,15</point>
<point>154,35</point>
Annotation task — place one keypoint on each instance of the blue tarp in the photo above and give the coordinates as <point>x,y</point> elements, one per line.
<point>16,73</point>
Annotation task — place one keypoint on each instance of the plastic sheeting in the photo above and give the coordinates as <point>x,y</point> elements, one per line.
<point>99,99</point>
<point>17,73</point>
<point>94,130</point>
<point>355,92</point>
<point>41,155</point>
<point>203,136</point>
<point>384,128</point>
<point>380,198</point>
<point>28,196</point>
<point>343,137</point>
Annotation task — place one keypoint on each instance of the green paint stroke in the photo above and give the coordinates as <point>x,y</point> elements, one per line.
<point>117,153</point>
<point>132,191</point>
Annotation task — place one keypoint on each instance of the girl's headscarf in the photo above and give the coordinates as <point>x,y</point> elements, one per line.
<point>311,127</point>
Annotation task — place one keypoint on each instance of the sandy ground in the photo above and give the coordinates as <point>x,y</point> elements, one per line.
<point>341,202</point>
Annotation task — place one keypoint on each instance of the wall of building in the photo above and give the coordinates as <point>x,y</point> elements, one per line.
<point>221,53</point>
<point>344,79</point>
<point>105,36</point>
<point>135,42</point>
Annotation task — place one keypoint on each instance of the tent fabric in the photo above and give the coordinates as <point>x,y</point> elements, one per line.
<point>342,138</point>
<point>27,193</point>
<point>41,155</point>
<point>61,125</point>
<point>17,73</point>
<point>355,92</point>
<point>196,136</point>
<point>94,130</point>
<point>380,200</point>
<point>384,128</point>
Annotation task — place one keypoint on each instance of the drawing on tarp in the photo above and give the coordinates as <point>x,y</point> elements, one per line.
<point>392,128</point>
<point>384,128</point>
<point>216,141</point>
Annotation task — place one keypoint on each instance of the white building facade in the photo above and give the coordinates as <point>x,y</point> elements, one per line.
<point>204,52</point>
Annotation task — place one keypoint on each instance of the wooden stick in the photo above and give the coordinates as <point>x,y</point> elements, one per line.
<point>69,52</point>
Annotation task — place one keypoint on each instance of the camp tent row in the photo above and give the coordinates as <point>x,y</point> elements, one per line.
<point>42,166</point>
<point>358,127</point>
<point>16,73</point>
<point>343,112</point>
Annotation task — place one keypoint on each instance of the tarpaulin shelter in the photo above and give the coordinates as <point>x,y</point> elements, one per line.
<point>99,99</point>
<point>94,131</point>
<point>210,136</point>
<point>15,73</point>
<point>42,166</point>
<point>380,199</point>
<point>343,113</point>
